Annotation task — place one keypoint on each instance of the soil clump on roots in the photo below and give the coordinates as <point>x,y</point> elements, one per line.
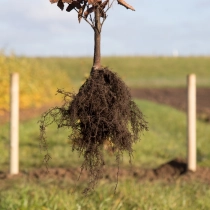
<point>102,111</point>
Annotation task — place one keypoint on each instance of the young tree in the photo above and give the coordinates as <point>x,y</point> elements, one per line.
<point>102,111</point>
<point>85,8</point>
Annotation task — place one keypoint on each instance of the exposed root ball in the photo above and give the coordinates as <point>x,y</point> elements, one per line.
<point>101,111</point>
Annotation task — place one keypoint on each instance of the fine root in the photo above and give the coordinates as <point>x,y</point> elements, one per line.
<point>101,111</point>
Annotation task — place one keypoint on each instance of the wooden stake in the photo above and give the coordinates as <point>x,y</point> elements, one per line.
<point>191,122</point>
<point>14,123</point>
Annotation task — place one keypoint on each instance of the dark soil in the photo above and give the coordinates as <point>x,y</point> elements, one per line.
<point>168,173</point>
<point>177,98</point>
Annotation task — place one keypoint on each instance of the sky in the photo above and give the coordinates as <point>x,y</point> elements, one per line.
<point>156,28</point>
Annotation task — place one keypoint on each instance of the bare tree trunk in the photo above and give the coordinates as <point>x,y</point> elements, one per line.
<point>97,41</point>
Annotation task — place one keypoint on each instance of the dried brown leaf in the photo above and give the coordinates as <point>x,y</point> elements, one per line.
<point>53,1</point>
<point>77,4</point>
<point>94,2</point>
<point>70,7</point>
<point>103,5</point>
<point>88,11</point>
<point>91,1</point>
<point>60,4</point>
<point>126,5</point>
<point>67,1</point>
<point>80,13</point>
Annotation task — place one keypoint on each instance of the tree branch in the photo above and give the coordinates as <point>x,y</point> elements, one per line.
<point>92,26</point>
<point>110,5</point>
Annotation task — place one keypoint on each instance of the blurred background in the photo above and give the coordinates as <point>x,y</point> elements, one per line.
<point>153,50</point>
<point>159,27</point>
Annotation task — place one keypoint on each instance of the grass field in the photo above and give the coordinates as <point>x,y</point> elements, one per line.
<point>165,141</point>
<point>52,195</point>
<point>40,77</point>
<point>138,71</point>
<point>37,84</point>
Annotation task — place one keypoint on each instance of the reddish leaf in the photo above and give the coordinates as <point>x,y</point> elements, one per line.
<point>94,1</point>
<point>80,13</point>
<point>70,7</point>
<point>103,5</point>
<point>77,4</point>
<point>91,1</point>
<point>53,1</point>
<point>67,1</point>
<point>60,4</point>
<point>88,11</point>
<point>126,5</point>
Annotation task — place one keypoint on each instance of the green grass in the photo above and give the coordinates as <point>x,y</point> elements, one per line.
<point>129,196</point>
<point>165,140</point>
<point>138,71</point>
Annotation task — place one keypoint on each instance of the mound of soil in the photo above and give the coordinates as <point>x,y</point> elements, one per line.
<point>168,173</point>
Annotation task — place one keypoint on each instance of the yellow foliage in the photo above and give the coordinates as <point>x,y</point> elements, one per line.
<point>38,85</point>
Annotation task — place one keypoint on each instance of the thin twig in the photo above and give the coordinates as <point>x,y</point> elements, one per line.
<point>91,19</point>
<point>91,22</point>
<point>103,21</point>
<point>92,26</point>
<point>118,169</point>
<point>109,6</point>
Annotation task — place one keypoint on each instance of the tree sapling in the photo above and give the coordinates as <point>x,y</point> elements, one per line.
<point>102,111</point>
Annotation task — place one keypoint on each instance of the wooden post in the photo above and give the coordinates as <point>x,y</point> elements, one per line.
<point>14,123</point>
<point>191,122</point>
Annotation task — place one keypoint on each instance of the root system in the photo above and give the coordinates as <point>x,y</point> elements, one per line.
<point>101,111</point>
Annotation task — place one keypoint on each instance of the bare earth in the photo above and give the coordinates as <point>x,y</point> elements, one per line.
<point>168,172</point>
<point>177,98</point>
